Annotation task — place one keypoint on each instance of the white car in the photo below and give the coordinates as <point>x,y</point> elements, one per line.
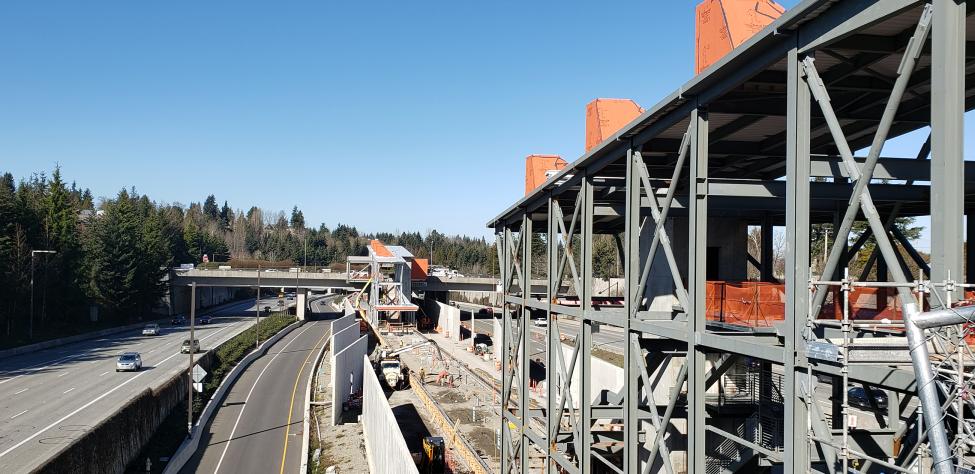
<point>151,330</point>
<point>540,322</point>
<point>129,361</point>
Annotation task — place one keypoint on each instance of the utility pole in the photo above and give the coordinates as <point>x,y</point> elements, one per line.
<point>257,310</point>
<point>30,324</point>
<point>189,372</point>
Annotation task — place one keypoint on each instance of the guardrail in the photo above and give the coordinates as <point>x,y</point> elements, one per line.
<point>451,435</point>
<point>190,445</point>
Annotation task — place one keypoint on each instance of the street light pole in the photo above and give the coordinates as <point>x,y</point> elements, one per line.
<point>189,373</point>
<point>30,324</point>
<point>257,311</point>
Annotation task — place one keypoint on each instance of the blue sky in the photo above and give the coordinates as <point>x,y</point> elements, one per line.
<point>313,103</point>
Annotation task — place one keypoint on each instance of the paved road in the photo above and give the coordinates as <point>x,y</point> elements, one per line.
<point>258,428</point>
<point>50,397</point>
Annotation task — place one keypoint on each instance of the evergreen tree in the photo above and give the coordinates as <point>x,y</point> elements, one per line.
<point>210,208</point>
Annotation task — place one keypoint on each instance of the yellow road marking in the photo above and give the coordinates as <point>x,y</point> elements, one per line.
<point>291,409</point>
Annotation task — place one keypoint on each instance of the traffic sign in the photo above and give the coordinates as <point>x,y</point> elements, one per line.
<point>198,373</point>
<point>198,387</point>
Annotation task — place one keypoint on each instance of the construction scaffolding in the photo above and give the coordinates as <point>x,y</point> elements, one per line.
<point>386,298</point>
<point>817,373</point>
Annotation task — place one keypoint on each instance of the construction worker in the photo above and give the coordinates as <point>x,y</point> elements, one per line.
<point>423,376</point>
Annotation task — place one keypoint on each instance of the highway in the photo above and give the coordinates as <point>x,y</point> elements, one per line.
<point>52,396</point>
<point>259,426</point>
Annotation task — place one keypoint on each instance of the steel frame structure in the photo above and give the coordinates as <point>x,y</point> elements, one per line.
<point>767,135</point>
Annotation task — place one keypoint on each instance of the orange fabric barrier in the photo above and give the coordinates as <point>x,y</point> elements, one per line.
<point>755,304</point>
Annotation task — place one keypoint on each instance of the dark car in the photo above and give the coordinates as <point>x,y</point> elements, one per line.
<point>178,321</point>
<point>858,398</point>
<point>204,319</point>
<point>267,310</point>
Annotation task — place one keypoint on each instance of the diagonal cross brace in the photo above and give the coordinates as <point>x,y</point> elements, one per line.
<point>655,420</point>
<point>659,233</point>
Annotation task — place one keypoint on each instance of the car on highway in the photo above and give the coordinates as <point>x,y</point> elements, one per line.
<point>541,322</point>
<point>186,347</point>
<point>267,310</point>
<point>205,319</point>
<point>858,398</point>
<point>178,321</point>
<point>151,330</point>
<point>129,361</point>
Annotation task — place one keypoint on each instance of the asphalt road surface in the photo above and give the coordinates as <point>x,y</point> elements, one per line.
<point>52,396</point>
<point>258,428</point>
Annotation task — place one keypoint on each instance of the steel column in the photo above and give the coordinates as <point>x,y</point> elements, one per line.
<point>631,273</point>
<point>585,347</point>
<point>696,276</point>
<point>796,259</point>
<point>947,136</point>
<point>524,329</point>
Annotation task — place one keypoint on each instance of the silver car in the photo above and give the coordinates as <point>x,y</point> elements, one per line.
<point>129,361</point>
<point>151,330</point>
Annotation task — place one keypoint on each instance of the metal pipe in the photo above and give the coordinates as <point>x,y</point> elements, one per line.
<point>945,317</point>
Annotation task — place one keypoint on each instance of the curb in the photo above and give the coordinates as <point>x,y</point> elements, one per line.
<point>189,446</point>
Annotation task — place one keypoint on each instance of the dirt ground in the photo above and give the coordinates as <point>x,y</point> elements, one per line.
<point>467,398</point>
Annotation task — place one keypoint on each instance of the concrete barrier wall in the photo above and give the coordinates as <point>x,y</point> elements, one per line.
<point>604,376</point>
<point>340,324</point>
<point>386,449</point>
<point>344,337</point>
<point>346,366</point>
<point>497,341</point>
<point>447,318</point>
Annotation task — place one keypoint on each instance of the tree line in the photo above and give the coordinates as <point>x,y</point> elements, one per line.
<point>113,254</point>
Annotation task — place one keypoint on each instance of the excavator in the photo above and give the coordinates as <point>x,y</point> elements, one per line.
<point>392,370</point>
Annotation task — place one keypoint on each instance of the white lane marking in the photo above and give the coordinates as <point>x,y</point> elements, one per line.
<point>22,391</point>
<point>69,415</point>
<point>37,367</point>
<point>70,389</point>
<point>21,413</point>
<point>103,373</point>
<point>248,397</point>
<point>62,375</point>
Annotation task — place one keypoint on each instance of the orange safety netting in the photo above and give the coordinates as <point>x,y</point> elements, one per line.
<point>748,303</point>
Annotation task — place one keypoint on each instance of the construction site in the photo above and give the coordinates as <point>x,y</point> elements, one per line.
<point>735,336</point>
<point>806,368</point>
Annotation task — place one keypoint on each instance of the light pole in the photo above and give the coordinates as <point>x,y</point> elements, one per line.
<point>189,373</point>
<point>257,311</point>
<point>30,324</point>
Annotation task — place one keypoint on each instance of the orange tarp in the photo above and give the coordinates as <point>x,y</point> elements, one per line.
<point>536,167</point>
<point>723,25</point>
<point>419,269</point>
<point>380,249</point>
<point>604,117</point>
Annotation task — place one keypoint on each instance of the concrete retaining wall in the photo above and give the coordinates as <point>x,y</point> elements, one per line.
<point>386,449</point>
<point>447,318</point>
<point>344,337</point>
<point>340,324</point>
<point>496,340</point>
<point>347,374</point>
